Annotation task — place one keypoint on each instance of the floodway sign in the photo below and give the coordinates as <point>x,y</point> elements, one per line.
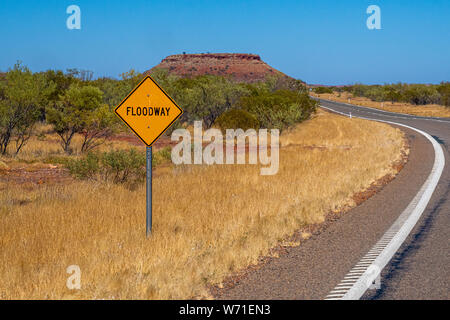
<point>148,111</point>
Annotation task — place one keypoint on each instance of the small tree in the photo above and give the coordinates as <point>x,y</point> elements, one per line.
<point>444,92</point>
<point>99,126</point>
<point>392,94</point>
<point>74,113</point>
<point>204,97</point>
<point>22,96</point>
<point>237,119</point>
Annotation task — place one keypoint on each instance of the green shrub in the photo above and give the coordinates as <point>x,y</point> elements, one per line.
<point>417,94</point>
<point>421,94</point>
<point>320,90</point>
<point>444,91</point>
<point>84,168</point>
<point>161,156</point>
<point>123,166</point>
<point>237,119</point>
<point>279,109</point>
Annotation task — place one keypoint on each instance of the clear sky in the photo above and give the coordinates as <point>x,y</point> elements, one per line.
<point>324,42</point>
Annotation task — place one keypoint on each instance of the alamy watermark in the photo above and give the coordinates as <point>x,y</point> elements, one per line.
<point>374,279</point>
<point>193,152</point>
<point>74,20</point>
<point>74,280</point>
<point>374,20</point>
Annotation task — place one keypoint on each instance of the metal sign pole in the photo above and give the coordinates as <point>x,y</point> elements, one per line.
<point>147,126</point>
<point>149,191</point>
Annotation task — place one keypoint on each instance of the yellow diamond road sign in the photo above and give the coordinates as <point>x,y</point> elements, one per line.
<point>148,111</point>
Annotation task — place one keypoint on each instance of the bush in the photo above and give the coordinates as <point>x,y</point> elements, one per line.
<point>237,119</point>
<point>444,91</point>
<point>161,156</point>
<point>417,94</point>
<point>279,109</point>
<point>421,94</point>
<point>320,90</point>
<point>86,167</point>
<point>123,166</point>
<point>114,166</point>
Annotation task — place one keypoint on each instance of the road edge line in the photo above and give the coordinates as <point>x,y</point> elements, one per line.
<point>394,237</point>
<point>391,114</point>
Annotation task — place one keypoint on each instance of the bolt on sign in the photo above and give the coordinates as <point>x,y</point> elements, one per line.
<point>148,111</point>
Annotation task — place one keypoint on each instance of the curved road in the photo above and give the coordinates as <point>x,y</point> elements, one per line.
<point>419,268</point>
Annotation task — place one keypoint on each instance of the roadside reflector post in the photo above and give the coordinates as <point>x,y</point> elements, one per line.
<point>149,191</point>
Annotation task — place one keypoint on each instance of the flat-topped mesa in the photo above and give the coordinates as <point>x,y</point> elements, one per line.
<point>219,56</point>
<point>241,67</point>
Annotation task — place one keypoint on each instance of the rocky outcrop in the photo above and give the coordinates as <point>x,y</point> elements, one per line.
<point>240,67</point>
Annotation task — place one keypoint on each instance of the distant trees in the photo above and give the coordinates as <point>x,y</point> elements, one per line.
<point>22,97</point>
<point>114,91</point>
<point>83,75</point>
<point>320,90</point>
<point>421,94</point>
<point>275,103</point>
<point>205,97</point>
<point>202,97</point>
<point>69,101</point>
<point>417,94</point>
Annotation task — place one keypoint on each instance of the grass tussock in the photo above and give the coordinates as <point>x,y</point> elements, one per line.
<point>428,110</point>
<point>208,221</point>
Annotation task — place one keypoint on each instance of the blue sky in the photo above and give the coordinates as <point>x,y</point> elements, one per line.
<point>323,42</point>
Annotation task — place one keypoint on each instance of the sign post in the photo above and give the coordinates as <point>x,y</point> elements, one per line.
<point>148,111</point>
<point>149,191</point>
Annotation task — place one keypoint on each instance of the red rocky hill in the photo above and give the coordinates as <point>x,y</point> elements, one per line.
<point>239,66</point>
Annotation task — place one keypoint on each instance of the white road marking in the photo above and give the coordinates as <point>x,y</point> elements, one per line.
<point>391,241</point>
<point>387,113</point>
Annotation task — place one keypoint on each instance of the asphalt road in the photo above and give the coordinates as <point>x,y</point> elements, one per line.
<point>419,269</point>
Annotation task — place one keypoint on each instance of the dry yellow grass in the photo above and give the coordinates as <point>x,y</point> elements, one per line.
<point>45,143</point>
<point>429,110</point>
<point>208,221</point>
